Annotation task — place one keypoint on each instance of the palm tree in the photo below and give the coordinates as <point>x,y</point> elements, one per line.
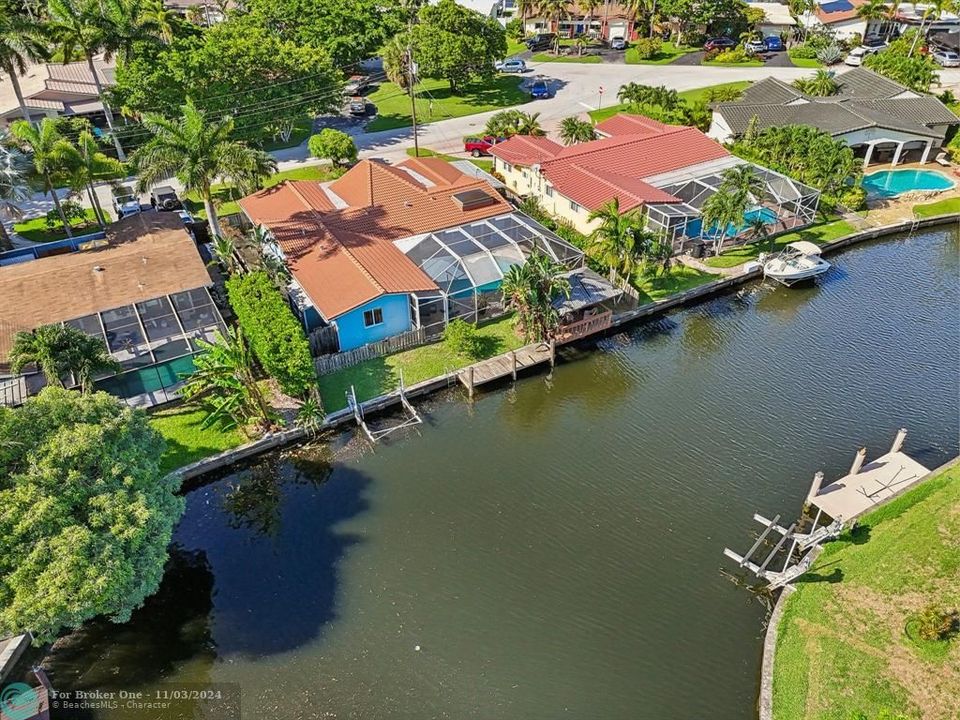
<point>821,84</point>
<point>873,10</point>
<point>530,290</point>
<point>127,22</point>
<point>160,17</point>
<point>556,10</point>
<point>79,28</point>
<point>249,179</point>
<point>744,183</point>
<point>719,212</point>
<point>21,42</point>
<point>529,124</point>
<point>196,150</point>
<point>934,9</point>
<point>574,130</point>
<point>14,167</point>
<point>760,231</point>
<point>92,165</point>
<point>614,241</point>
<point>224,383</point>
<point>224,253</point>
<point>51,154</point>
<point>59,350</point>
<point>395,61</point>
<point>525,7</point>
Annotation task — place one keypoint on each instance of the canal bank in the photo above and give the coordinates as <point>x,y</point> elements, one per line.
<point>553,549</point>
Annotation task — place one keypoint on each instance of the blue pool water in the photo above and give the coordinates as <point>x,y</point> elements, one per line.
<point>890,183</point>
<point>695,227</point>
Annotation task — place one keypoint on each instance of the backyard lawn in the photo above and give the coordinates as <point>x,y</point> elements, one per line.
<point>225,196</point>
<point>187,441</point>
<point>436,102</point>
<point>668,53</point>
<point>940,207</point>
<point>654,287</point>
<point>381,375</point>
<point>36,230</point>
<point>688,95</point>
<point>822,233</point>
<point>847,646</point>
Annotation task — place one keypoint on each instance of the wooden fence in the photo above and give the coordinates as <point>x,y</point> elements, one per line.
<point>324,341</point>
<point>331,363</point>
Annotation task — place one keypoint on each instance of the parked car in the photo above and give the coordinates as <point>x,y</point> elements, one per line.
<point>856,56</point>
<point>753,47</point>
<point>720,43</point>
<point>618,43</point>
<point>165,198</point>
<point>356,84</point>
<point>541,41</point>
<point>358,105</point>
<point>946,58</point>
<point>539,90</point>
<point>511,65</point>
<point>125,201</point>
<point>773,44</point>
<point>478,146</point>
<point>874,41</point>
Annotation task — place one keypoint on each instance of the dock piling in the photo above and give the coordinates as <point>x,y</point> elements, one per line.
<point>814,489</point>
<point>553,353</point>
<point>858,461</point>
<point>470,382</point>
<point>513,364</point>
<point>898,440</point>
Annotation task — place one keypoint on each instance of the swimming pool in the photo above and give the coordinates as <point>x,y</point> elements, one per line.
<point>890,183</point>
<point>769,216</point>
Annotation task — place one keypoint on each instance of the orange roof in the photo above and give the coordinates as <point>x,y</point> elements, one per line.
<point>623,124</point>
<point>526,150</point>
<point>338,238</point>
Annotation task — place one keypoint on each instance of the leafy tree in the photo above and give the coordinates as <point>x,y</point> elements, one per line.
<point>62,350</point>
<point>457,44</point>
<point>515,29</point>
<point>461,337</point>
<point>718,16</point>
<point>574,130</point>
<point>21,42</point>
<point>196,150</point>
<point>333,145</point>
<point>530,290</point>
<point>14,168</point>
<point>917,73</point>
<point>614,241</point>
<point>276,336</point>
<point>224,383</point>
<point>820,84</point>
<point>51,154</point>
<point>85,514</point>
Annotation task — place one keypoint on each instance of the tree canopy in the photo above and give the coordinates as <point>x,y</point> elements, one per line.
<point>899,63</point>
<point>85,514</point>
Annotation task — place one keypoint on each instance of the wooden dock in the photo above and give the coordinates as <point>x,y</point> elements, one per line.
<point>508,364</point>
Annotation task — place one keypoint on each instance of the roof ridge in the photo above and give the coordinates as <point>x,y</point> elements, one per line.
<point>619,141</point>
<point>594,174</point>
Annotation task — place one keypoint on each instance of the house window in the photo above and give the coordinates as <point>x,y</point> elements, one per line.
<point>574,206</point>
<point>549,191</point>
<point>372,317</point>
<point>507,167</point>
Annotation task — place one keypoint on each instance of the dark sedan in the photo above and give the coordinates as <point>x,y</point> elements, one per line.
<point>720,43</point>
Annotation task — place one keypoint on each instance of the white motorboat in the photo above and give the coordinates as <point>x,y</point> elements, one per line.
<point>798,261</point>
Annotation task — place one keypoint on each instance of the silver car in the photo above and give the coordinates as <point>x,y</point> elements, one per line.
<point>618,43</point>
<point>947,58</point>
<point>511,65</point>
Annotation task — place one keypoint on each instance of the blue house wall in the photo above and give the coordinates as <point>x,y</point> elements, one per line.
<point>396,319</point>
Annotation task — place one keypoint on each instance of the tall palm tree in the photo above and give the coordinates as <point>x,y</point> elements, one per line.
<point>525,8</point>
<point>224,383</point>
<point>574,130</point>
<point>873,10</point>
<point>260,166</point>
<point>196,150</point>
<point>933,10</point>
<point>14,168</point>
<point>719,212</point>
<point>614,241</point>
<point>79,29</point>
<point>21,42</point>
<point>556,10</point>
<point>589,7</point>
<point>61,350</point>
<point>529,124</point>
<point>744,183</point>
<point>821,84</point>
<point>162,18</point>
<point>530,290</point>
<point>92,165</point>
<point>51,155</point>
<point>127,22</point>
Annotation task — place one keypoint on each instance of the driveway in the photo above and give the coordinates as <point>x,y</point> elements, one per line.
<point>694,58</point>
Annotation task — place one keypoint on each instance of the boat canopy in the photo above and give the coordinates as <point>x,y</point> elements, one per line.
<point>805,247</point>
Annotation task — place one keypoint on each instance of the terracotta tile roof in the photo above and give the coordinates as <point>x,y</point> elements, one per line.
<point>526,150</point>
<point>593,173</point>
<point>343,255</point>
<point>623,124</point>
<point>148,255</point>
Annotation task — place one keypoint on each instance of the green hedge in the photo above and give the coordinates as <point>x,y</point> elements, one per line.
<point>275,335</point>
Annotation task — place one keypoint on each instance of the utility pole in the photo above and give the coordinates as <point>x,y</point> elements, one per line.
<point>411,79</point>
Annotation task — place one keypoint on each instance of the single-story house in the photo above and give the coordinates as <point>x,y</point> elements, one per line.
<point>141,287</point>
<point>664,171</point>
<point>386,249</point>
<point>840,17</point>
<point>55,90</point>
<point>777,18</point>
<point>880,119</point>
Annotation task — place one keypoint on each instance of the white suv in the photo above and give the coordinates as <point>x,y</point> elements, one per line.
<point>858,54</point>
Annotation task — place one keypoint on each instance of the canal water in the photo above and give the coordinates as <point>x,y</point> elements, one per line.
<point>553,549</point>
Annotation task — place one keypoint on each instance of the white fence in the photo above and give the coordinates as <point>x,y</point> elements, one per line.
<point>327,364</point>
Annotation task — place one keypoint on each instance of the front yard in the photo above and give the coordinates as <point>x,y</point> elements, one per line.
<point>436,102</point>
<point>821,233</point>
<point>382,375</point>
<point>668,53</point>
<point>36,230</point>
<point>691,96</point>
<point>847,646</point>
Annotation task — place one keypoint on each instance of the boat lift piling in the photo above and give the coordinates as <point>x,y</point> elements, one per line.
<point>412,417</point>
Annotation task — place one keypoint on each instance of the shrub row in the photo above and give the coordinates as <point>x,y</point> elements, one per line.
<point>274,334</point>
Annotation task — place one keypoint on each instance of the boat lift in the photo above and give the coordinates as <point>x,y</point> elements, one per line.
<point>411,416</point>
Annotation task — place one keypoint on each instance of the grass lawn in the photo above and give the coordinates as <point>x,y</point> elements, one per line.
<point>301,131</point>
<point>745,63</point>
<point>225,197</point>
<point>36,229</point>
<point>381,375</point>
<point>668,53</point>
<point>842,647</point>
<point>806,62</point>
<point>548,58</point>
<point>435,101</point>
<point>515,47</point>
<point>688,95</point>
<point>678,279</point>
<point>822,233</point>
<point>940,207</point>
<point>187,442</point>
<point>485,164</point>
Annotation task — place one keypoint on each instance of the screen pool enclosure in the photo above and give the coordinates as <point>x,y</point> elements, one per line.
<point>784,203</point>
<point>468,264</point>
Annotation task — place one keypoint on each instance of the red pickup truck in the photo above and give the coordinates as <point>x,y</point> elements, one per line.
<point>478,146</point>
